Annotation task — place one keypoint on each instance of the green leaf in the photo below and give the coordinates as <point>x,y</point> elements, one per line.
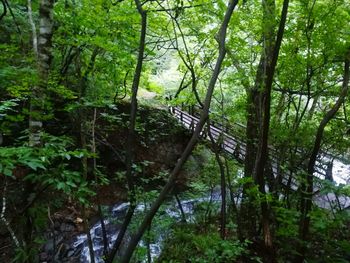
<point>7,172</point>
<point>60,186</point>
<point>70,183</point>
<point>35,165</point>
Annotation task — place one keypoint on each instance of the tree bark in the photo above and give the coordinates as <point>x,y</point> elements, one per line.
<point>86,227</point>
<point>84,165</point>
<point>261,159</point>
<point>37,98</point>
<point>32,24</point>
<point>259,100</point>
<point>44,64</point>
<point>255,97</point>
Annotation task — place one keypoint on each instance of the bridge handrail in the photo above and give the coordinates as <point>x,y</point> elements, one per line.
<point>230,128</point>
<point>191,121</point>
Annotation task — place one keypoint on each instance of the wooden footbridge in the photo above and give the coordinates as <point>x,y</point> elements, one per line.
<point>230,142</point>
<point>233,144</point>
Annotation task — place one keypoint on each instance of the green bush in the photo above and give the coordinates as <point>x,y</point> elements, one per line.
<point>185,245</point>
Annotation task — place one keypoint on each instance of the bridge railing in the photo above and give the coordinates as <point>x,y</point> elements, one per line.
<point>237,147</point>
<point>232,144</point>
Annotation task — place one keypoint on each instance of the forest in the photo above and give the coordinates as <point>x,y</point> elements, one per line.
<point>174,131</point>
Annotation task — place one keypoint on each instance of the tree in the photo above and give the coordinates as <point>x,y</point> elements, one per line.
<point>307,189</point>
<point>190,146</point>
<point>259,103</point>
<point>285,76</point>
<point>44,63</point>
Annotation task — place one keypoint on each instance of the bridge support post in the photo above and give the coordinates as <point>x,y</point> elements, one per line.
<point>192,126</point>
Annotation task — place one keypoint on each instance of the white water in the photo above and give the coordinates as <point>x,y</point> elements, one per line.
<point>340,173</point>
<point>96,235</point>
<point>118,211</point>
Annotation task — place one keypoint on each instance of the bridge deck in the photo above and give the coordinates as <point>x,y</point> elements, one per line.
<point>237,148</point>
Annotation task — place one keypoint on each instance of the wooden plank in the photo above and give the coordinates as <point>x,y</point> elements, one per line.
<point>230,142</point>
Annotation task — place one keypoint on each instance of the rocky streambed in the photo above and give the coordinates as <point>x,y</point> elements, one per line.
<point>75,249</point>
<point>67,243</point>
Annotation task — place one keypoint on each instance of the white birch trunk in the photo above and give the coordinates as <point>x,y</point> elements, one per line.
<point>44,57</point>
<point>32,24</point>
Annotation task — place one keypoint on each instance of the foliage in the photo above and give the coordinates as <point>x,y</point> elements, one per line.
<point>186,244</point>
<point>47,165</point>
<point>330,236</point>
<point>95,47</point>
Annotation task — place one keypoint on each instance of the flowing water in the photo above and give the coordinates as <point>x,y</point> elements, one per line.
<point>115,215</point>
<point>171,211</point>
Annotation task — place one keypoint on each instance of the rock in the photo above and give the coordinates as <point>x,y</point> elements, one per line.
<point>98,241</point>
<point>112,229</point>
<point>78,249</point>
<point>70,253</point>
<point>57,225</point>
<point>59,239</point>
<point>49,245</point>
<point>78,220</point>
<point>67,227</point>
<point>62,249</point>
<point>43,257</point>
<point>98,231</point>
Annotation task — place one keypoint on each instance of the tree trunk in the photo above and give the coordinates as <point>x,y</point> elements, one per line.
<point>82,121</point>
<point>183,215</point>
<point>94,171</point>
<point>261,159</point>
<point>131,134</point>
<point>84,164</point>
<point>44,64</point>
<point>37,97</point>
<point>121,234</point>
<point>255,97</point>
<point>307,189</point>
<point>215,148</point>
<point>259,100</point>
<point>32,24</point>
<point>190,146</point>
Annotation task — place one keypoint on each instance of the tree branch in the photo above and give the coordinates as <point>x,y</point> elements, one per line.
<point>191,144</point>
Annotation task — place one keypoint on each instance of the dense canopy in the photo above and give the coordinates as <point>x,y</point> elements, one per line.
<point>174,131</point>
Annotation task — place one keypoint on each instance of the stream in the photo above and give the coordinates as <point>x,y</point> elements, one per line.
<point>78,251</point>
<point>114,216</point>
